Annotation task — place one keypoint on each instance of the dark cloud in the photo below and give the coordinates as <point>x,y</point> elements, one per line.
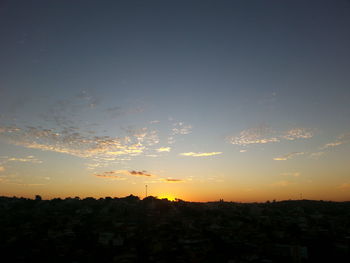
<point>169,180</point>
<point>140,173</point>
<point>115,175</point>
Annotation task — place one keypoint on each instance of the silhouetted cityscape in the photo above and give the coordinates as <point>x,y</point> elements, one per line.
<point>158,230</point>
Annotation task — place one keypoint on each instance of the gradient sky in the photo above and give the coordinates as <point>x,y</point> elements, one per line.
<point>200,100</point>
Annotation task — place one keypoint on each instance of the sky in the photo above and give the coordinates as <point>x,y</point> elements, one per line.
<point>199,100</point>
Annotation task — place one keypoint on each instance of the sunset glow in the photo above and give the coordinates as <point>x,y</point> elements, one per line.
<point>169,197</point>
<point>200,102</point>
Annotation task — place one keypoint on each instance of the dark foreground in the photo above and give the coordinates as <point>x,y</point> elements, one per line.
<point>152,230</point>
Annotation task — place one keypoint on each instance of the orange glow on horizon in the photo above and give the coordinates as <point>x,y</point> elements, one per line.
<point>167,196</point>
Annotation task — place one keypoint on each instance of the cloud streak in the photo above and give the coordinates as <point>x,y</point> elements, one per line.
<point>28,159</point>
<point>263,134</point>
<point>282,183</point>
<point>316,155</point>
<point>118,174</point>
<point>344,186</point>
<point>171,180</point>
<point>295,174</point>
<point>140,173</point>
<point>288,156</point>
<point>206,154</point>
<point>107,176</point>
<point>163,149</point>
<point>342,139</point>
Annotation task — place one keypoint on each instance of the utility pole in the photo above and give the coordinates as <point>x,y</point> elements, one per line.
<point>146,190</point>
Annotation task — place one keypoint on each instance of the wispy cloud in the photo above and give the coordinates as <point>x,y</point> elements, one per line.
<point>200,154</point>
<point>316,155</point>
<point>115,111</point>
<point>171,140</point>
<point>166,180</point>
<point>140,173</point>
<point>263,134</point>
<point>332,144</point>
<point>71,141</point>
<point>163,149</point>
<point>297,133</point>
<point>28,159</point>
<point>295,174</point>
<point>344,186</point>
<point>282,183</point>
<point>342,139</point>
<point>115,172</point>
<point>257,135</point>
<point>14,179</point>
<point>89,99</point>
<point>154,122</point>
<point>119,173</point>
<point>288,156</point>
<point>68,129</point>
<point>62,110</point>
<point>118,111</point>
<point>181,128</point>
<point>25,184</point>
<point>171,180</point>
<point>152,155</point>
<point>143,135</point>
<point>110,176</point>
